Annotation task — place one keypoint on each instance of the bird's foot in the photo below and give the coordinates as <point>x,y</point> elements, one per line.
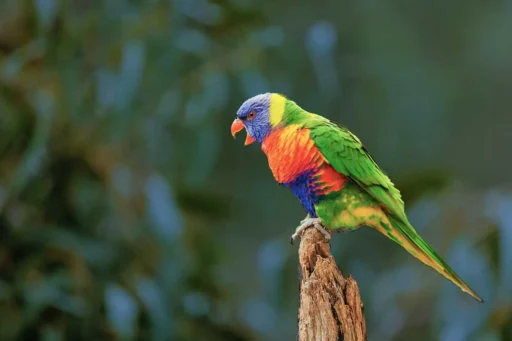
<point>307,219</point>
<point>307,223</point>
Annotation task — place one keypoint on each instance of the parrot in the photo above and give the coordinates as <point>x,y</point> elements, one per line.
<point>332,174</point>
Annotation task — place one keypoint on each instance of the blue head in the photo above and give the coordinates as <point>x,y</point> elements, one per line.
<point>259,115</point>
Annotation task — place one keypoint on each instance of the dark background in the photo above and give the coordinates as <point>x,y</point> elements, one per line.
<point>128,212</point>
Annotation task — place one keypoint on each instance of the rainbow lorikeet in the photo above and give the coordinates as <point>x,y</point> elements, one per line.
<point>332,174</point>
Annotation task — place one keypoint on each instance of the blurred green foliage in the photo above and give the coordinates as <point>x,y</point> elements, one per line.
<point>127,212</point>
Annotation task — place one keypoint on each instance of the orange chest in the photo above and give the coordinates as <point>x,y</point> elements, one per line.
<point>291,152</point>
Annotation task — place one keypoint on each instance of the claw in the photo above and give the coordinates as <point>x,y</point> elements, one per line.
<point>310,222</point>
<point>326,234</point>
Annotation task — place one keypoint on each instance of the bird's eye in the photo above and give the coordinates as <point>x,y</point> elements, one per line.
<point>251,115</point>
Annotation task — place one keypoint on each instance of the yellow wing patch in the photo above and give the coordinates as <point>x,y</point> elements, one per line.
<point>277,103</point>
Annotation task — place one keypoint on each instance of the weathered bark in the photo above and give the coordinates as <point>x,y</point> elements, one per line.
<point>330,305</point>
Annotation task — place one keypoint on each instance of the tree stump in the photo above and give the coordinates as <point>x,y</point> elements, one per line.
<point>330,307</point>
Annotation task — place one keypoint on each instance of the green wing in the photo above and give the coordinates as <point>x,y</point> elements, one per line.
<point>347,155</point>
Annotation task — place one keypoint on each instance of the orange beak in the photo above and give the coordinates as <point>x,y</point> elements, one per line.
<point>236,126</point>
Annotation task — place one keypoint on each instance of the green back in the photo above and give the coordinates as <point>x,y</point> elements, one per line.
<point>347,155</point>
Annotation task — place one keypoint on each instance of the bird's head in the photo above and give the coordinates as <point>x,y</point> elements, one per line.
<point>259,115</point>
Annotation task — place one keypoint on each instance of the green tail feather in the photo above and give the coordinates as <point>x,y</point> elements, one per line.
<point>420,249</point>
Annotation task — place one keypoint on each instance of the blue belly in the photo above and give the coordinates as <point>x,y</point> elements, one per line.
<point>303,188</point>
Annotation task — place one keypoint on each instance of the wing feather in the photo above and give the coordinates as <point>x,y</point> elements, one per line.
<point>345,152</point>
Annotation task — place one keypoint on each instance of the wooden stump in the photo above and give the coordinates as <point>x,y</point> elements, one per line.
<point>330,306</point>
